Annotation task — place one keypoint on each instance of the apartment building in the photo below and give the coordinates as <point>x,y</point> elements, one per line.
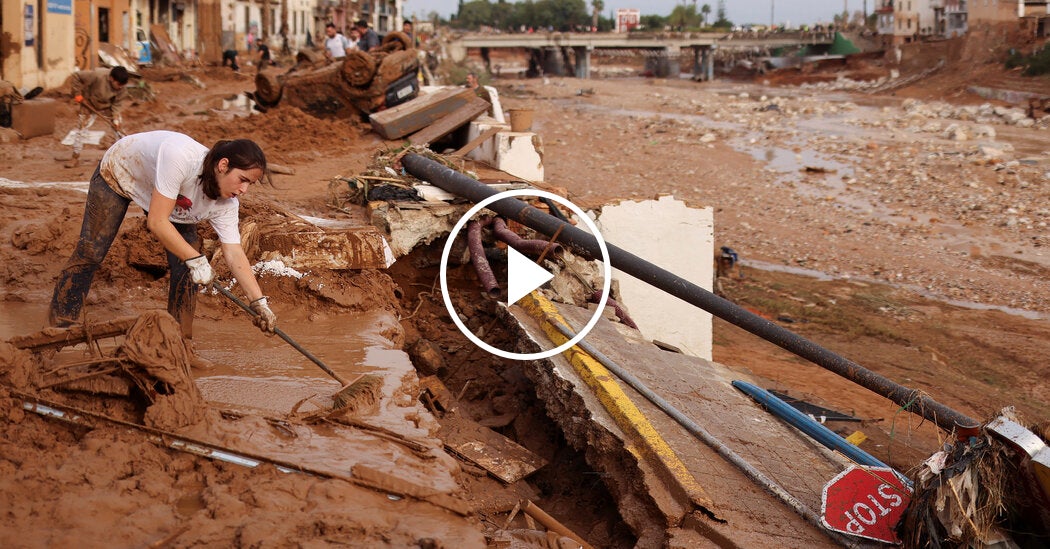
<point>49,39</point>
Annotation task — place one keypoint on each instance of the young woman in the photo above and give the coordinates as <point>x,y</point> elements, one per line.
<point>179,183</point>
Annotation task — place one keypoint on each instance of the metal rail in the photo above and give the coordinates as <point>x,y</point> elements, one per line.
<point>583,243</point>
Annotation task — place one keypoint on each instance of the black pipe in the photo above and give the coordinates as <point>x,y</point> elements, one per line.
<point>584,243</point>
<point>553,208</point>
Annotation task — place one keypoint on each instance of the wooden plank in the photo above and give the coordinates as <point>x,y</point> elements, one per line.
<point>449,123</point>
<point>493,452</point>
<point>414,115</point>
<point>487,134</point>
<point>56,338</point>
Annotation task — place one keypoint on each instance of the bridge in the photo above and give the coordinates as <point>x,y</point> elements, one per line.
<point>545,46</point>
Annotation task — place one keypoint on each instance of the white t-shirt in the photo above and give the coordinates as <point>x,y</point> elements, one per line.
<point>171,163</point>
<point>337,45</point>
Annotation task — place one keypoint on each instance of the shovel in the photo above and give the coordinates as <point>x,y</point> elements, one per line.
<point>364,387</point>
<point>108,120</point>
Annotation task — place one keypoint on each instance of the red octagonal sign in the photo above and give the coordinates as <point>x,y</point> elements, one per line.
<point>866,502</point>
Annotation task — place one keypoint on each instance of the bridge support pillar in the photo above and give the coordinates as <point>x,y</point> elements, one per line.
<point>703,63</point>
<point>583,61</point>
<point>552,61</point>
<point>709,63</point>
<point>658,62</point>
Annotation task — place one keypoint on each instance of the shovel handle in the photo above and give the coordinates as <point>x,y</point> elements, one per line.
<point>280,333</point>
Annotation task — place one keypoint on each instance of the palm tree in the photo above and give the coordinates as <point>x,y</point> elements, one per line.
<point>705,10</point>
<point>598,6</point>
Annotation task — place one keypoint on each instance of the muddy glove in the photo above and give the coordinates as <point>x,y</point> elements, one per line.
<point>265,320</point>
<point>200,269</point>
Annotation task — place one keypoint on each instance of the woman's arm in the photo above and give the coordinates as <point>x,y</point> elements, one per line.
<point>160,225</point>
<point>238,263</point>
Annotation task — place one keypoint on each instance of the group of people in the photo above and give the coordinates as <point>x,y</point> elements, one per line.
<point>361,37</point>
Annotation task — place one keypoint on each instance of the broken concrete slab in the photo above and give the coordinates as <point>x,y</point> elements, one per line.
<point>305,246</point>
<point>635,226</point>
<point>702,391</point>
<point>517,153</point>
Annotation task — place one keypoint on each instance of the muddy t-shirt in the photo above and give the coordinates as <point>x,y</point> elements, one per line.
<point>169,162</point>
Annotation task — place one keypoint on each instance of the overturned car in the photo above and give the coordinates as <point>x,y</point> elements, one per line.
<point>360,84</point>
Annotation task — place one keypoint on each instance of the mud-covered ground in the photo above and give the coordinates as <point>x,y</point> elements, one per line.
<point>859,223</point>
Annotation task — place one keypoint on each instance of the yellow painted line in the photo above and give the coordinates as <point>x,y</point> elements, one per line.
<point>682,483</point>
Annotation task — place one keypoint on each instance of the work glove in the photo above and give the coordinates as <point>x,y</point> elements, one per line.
<point>264,319</point>
<point>200,269</point>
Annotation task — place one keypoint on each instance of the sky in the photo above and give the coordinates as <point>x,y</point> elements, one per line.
<point>739,12</point>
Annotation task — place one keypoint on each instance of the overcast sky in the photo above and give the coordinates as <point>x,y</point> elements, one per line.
<point>738,11</point>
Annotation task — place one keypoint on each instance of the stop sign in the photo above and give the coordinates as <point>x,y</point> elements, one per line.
<point>866,502</point>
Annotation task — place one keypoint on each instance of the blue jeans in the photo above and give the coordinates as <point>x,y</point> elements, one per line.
<point>103,214</point>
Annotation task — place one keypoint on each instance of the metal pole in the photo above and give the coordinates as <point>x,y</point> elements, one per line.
<point>585,244</point>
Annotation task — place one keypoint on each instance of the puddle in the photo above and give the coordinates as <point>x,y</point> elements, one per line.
<point>820,275</point>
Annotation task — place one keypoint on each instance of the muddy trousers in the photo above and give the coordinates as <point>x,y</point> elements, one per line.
<point>84,122</point>
<point>103,215</point>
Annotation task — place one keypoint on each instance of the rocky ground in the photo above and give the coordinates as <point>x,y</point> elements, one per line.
<point>906,234</point>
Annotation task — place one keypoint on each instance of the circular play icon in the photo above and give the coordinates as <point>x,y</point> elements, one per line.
<point>524,276</point>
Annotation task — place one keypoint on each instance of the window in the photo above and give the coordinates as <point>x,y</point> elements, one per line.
<point>103,24</point>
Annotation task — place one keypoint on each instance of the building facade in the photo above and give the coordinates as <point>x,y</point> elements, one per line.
<point>46,40</point>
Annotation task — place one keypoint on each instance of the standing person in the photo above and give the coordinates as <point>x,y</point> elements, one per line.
<point>335,45</point>
<point>179,183</point>
<point>407,27</point>
<point>369,38</point>
<point>96,92</point>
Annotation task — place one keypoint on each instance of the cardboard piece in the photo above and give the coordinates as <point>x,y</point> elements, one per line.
<point>34,117</point>
<point>91,137</point>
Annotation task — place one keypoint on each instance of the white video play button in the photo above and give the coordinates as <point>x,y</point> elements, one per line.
<point>523,276</point>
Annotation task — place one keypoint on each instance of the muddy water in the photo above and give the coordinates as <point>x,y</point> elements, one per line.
<point>254,371</point>
<point>267,373</point>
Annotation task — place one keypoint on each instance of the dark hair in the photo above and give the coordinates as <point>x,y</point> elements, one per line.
<point>330,25</point>
<point>120,74</point>
<point>361,24</point>
<point>242,154</point>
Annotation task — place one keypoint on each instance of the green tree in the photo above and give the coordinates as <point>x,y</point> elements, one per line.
<point>597,6</point>
<point>684,16</point>
<point>705,11</point>
<point>652,22</point>
<point>475,13</point>
<point>721,20</point>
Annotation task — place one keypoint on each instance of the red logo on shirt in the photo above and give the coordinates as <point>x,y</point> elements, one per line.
<point>183,202</point>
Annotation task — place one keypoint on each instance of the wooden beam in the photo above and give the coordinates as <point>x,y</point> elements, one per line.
<point>449,123</point>
<point>414,115</point>
<point>57,338</point>
<point>486,135</point>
